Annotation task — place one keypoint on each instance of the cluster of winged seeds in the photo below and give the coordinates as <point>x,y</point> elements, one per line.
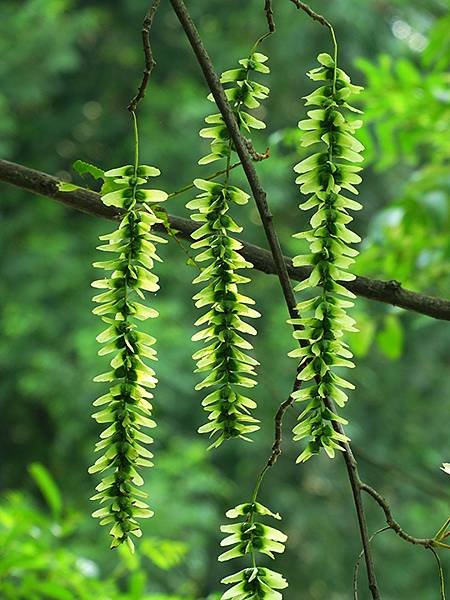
<point>126,406</point>
<point>225,360</point>
<point>250,537</point>
<point>326,175</point>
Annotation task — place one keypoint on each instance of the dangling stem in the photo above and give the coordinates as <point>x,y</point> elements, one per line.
<point>333,36</point>
<point>136,143</point>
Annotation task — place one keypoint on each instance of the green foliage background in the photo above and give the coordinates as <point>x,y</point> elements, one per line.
<point>68,69</point>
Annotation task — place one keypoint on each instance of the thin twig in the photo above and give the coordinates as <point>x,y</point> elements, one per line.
<point>189,186</point>
<point>358,562</point>
<point>148,56</point>
<point>257,157</point>
<point>278,434</point>
<point>276,448</point>
<point>392,523</point>
<point>268,9</point>
<point>440,573</point>
<point>89,202</point>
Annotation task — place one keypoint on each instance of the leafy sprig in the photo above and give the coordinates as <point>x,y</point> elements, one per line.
<point>225,359</point>
<point>126,407</point>
<point>325,175</point>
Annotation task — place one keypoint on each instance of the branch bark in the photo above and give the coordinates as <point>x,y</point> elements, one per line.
<point>223,105</point>
<point>389,292</point>
<point>150,62</point>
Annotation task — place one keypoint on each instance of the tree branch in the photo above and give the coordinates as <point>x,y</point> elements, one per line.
<point>148,56</point>
<point>358,561</point>
<point>389,292</point>
<point>392,523</point>
<point>268,9</point>
<point>315,16</point>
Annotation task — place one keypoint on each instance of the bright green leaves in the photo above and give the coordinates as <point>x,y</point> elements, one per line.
<point>250,537</point>
<point>226,366</point>
<point>326,174</point>
<point>126,408</point>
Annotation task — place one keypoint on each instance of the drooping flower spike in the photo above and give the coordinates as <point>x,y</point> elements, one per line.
<point>250,537</point>
<point>126,408</point>
<point>225,360</point>
<point>327,175</point>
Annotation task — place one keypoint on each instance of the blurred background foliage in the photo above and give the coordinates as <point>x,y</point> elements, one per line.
<point>68,69</point>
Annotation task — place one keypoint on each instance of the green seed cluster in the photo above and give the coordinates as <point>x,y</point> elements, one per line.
<point>225,361</point>
<point>126,406</point>
<point>250,536</point>
<point>325,175</point>
<point>242,93</point>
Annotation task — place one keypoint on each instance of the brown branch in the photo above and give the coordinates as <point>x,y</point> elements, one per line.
<point>393,524</point>
<point>89,202</point>
<point>148,55</point>
<point>276,447</point>
<point>355,484</point>
<point>269,15</point>
<point>358,561</point>
<point>309,11</point>
<point>272,238</point>
<point>254,154</point>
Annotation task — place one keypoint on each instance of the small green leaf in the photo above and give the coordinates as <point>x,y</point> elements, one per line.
<point>82,167</point>
<point>47,487</point>
<point>63,186</point>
